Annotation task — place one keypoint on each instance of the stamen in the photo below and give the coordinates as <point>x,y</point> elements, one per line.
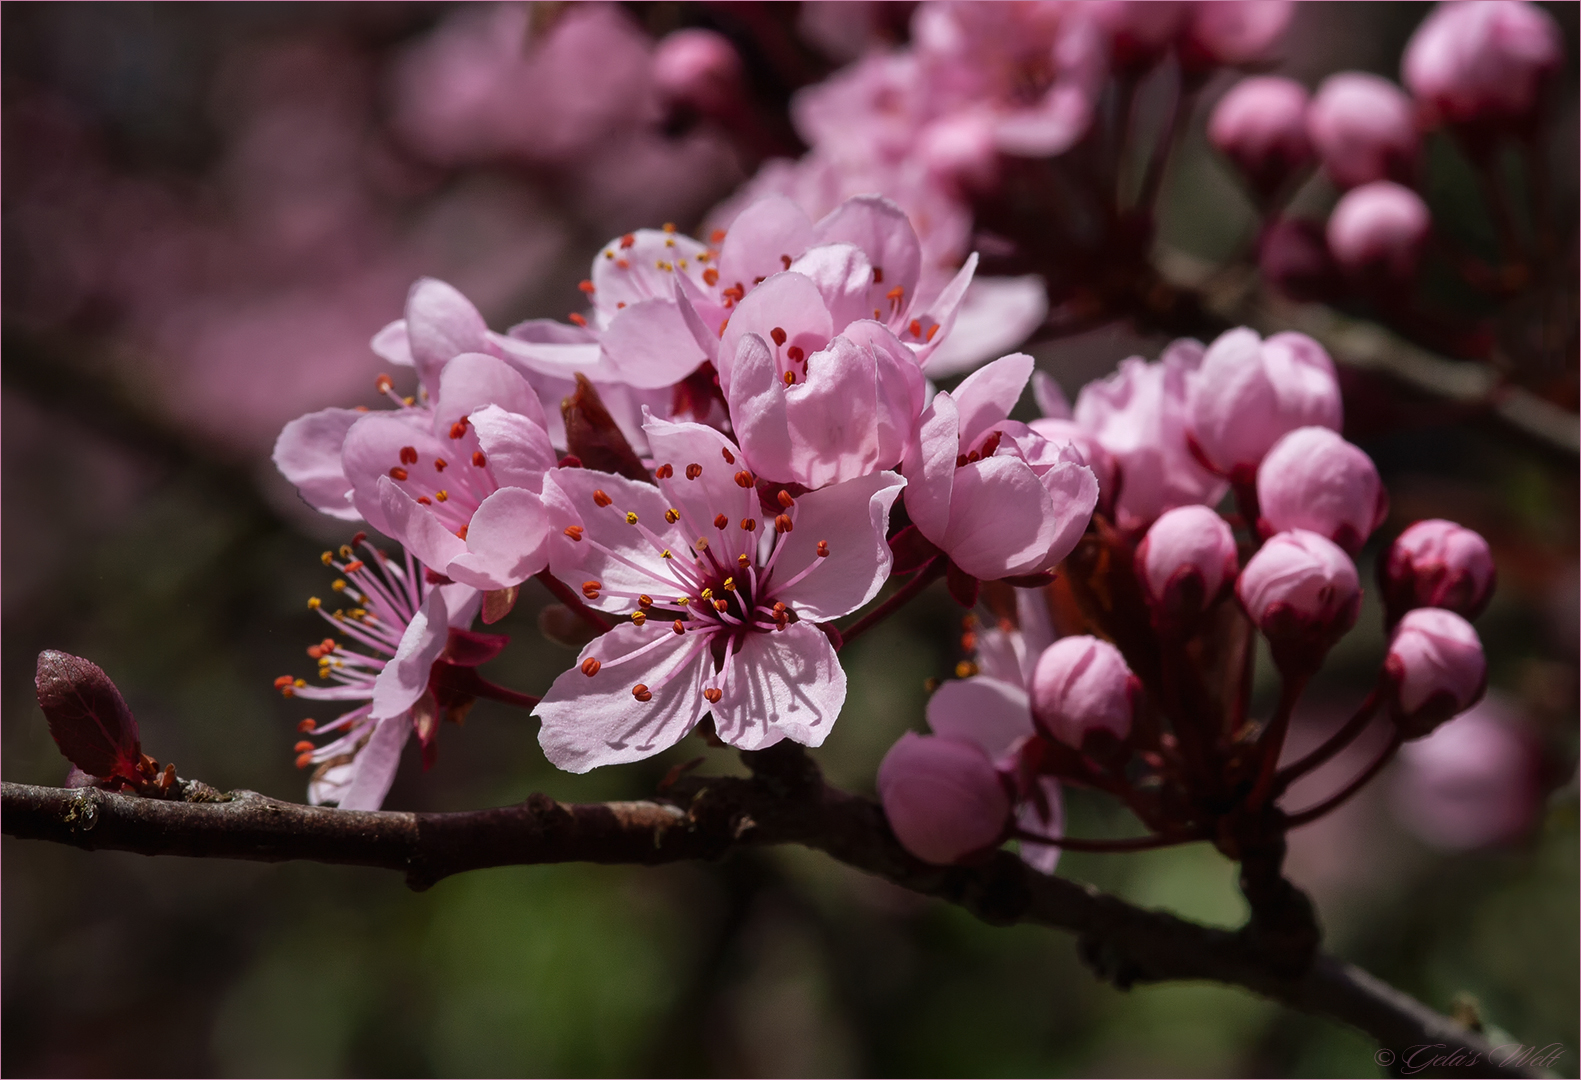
<point>710,276</point>
<point>744,479</point>
<point>778,334</point>
<point>590,589</point>
<point>397,473</point>
<point>693,471</point>
<point>749,524</point>
<point>795,354</point>
<point>934,329</point>
<point>631,517</point>
<point>577,319</point>
<point>354,566</point>
<point>742,561</point>
<point>627,240</point>
<point>783,523</point>
<point>785,261</point>
<point>720,521</point>
<point>303,747</point>
<point>823,549</point>
<point>664,472</point>
<point>785,499</point>
<point>716,237</point>
<point>459,428</point>
<point>878,275</point>
<point>641,693</point>
<point>915,328</point>
<point>306,724</point>
<point>678,626</point>
<point>408,455</point>
<point>439,464</point>
<point>313,603</point>
<point>586,286</point>
<point>713,694</point>
<point>478,459</point>
<point>590,667</point>
<point>638,618</point>
<point>442,495</point>
<point>729,584</point>
<point>790,378</point>
<point>730,459</point>
<point>384,384</point>
<point>600,499</point>
<point>672,515</point>
<point>574,532</point>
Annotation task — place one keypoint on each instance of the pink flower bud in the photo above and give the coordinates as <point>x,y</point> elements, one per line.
<point>1249,393</point>
<point>1439,564</point>
<point>1140,31</point>
<point>1082,685</point>
<point>1474,782</point>
<point>1302,592</point>
<point>1364,129</point>
<point>1261,126</point>
<point>1292,256</point>
<point>1233,32</point>
<point>1436,664</point>
<point>1379,229</point>
<point>1482,61</point>
<point>699,69</point>
<point>1313,479</point>
<point>943,797</point>
<point>1185,562</point>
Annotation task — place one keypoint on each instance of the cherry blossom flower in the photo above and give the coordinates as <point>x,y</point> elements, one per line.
<point>1482,61</point>
<point>1364,128</point>
<point>1437,563</point>
<point>1378,231</point>
<point>412,635</point>
<point>724,592</point>
<point>994,495</point>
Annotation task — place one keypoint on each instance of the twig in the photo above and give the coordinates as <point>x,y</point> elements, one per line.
<point>930,572</point>
<point>1333,802</point>
<point>785,801</point>
<point>1332,745</point>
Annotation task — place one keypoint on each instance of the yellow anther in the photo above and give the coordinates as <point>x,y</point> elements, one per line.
<point>729,585</point>
<point>639,617</point>
<point>631,517</point>
<point>672,516</point>
<point>327,558</point>
<point>665,554</point>
<point>299,683</point>
<point>313,603</point>
<point>339,585</point>
<point>707,594</point>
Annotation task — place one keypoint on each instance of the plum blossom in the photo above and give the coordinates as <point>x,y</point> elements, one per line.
<point>1261,126</point>
<point>1437,563</point>
<point>1482,61</point>
<point>1313,479</point>
<point>1437,668</point>
<point>995,496</point>
<point>1378,231</point>
<point>1140,415</point>
<point>943,797</point>
<point>724,592</point>
<point>414,668</point>
<point>1364,129</point>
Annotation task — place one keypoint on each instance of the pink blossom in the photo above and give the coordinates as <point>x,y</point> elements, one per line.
<point>1082,685</point>
<point>1314,480</point>
<point>1233,32</point>
<point>460,490</point>
<point>943,797</point>
<point>1364,129</point>
<point>698,69</point>
<point>1436,665</point>
<point>1186,562</point>
<point>1093,455</point>
<point>1379,228</point>
<point>1302,592</point>
<point>1249,393</point>
<point>1261,126</point>
<point>996,315</point>
<point>1472,783</point>
<point>998,498</point>
<point>1484,60</point>
<point>405,627</point>
<point>1140,31</point>
<point>724,598</point>
<point>1140,415</point>
<point>1439,564</point>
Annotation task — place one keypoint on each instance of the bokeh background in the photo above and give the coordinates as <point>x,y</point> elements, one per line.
<point>208,210</point>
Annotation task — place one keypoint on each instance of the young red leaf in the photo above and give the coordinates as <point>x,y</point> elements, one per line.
<point>88,718</point>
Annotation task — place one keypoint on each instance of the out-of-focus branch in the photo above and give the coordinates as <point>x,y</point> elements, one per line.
<point>1238,300</point>
<point>784,801</point>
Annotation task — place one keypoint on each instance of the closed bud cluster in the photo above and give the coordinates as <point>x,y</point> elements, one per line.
<point>1185,563</point>
<point>1082,686</point>
<point>943,797</point>
<point>1438,564</point>
<point>1436,667</point>
<point>1302,592</point>
<point>1313,479</point>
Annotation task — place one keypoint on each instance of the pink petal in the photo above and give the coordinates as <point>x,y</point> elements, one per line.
<point>884,233</point>
<point>790,303</point>
<point>546,347</point>
<point>376,764</point>
<point>507,541</point>
<point>1051,128</point>
<point>516,449</point>
<point>757,410</point>
<point>771,227</point>
<point>832,418</point>
<point>593,721</point>
<point>405,677</point>
<point>844,279</point>
<point>642,278</point>
<point>651,345</point>
<point>1001,519</point>
<point>930,467</point>
<point>441,324</point>
<point>715,490</point>
<point>988,712</point>
<point>853,518</point>
<point>787,684</point>
<point>944,307</point>
<point>307,453</point>
<point>635,567</point>
<point>417,530</point>
<point>473,380</point>
<point>1043,857</point>
<point>373,448</point>
<point>702,315</point>
<point>986,396</point>
<point>996,314</point>
<point>391,344</point>
<point>462,602</point>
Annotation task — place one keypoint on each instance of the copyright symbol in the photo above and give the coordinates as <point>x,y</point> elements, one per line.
<point>1383,1058</point>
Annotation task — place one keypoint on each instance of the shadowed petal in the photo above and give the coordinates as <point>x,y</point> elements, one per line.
<point>376,764</point>
<point>307,453</point>
<point>405,677</point>
<point>473,380</point>
<point>507,541</point>
<point>517,450</point>
<point>853,518</point>
<point>988,712</point>
<point>783,685</point>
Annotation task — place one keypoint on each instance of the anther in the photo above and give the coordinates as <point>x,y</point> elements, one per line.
<point>577,319</point>
<point>965,669</point>
<point>353,567</point>
<point>631,517</point>
<point>790,378</point>
<point>306,724</point>
<point>706,594</point>
<point>408,455</point>
<point>678,626</point>
<point>716,237</point>
<point>440,464</point>
<point>701,544</point>
<point>749,524</point>
<point>730,459</point>
<point>779,607</point>
<point>585,286</point>
<point>878,275</point>
<point>345,551</point>
<point>590,589</point>
<point>590,667</point>
<point>669,226</point>
<point>711,276</point>
<point>720,521</point>
<point>778,335</point>
<point>600,499</point>
<point>645,601</point>
<point>894,295</point>
<point>338,585</point>
<point>729,584</point>
<point>283,681</point>
<point>693,471</point>
<point>785,261</point>
<point>672,515</point>
<point>641,693</point>
<point>823,549</point>
<point>303,747</point>
<point>442,495</point>
<point>638,618</point>
<point>459,428</point>
<point>742,561</point>
<point>303,760</point>
<point>795,354</point>
<point>664,472</point>
<point>934,329</point>
<point>713,694</point>
<point>991,444</point>
<point>574,532</point>
<point>314,603</point>
<point>915,328</point>
<point>478,459</point>
<point>721,605</point>
<point>397,473</point>
<point>384,384</point>
<point>627,240</point>
<point>783,523</point>
<point>784,499</point>
<point>744,479</point>
<point>960,461</point>
<point>358,538</point>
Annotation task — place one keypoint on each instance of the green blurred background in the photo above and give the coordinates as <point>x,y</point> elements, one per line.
<point>176,563</point>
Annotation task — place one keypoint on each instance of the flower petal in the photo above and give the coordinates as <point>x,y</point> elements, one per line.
<point>771,227</point>
<point>787,684</point>
<point>884,233</point>
<point>853,518</point>
<point>401,518</point>
<point>517,450</point>
<point>391,344</point>
<point>930,467</point>
<point>986,396</point>
<point>981,710</point>
<point>507,541</point>
<point>944,307</point>
<point>651,345</point>
<point>787,302</point>
<point>757,409</point>
<point>307,453</point>
<point>1043,857</point>
<point>596,720</point>
<point>473,380</point>
<point>372,452</point>
<point>441,324</point>
<point>404,678</point>
<point>996,314</point>
<point>715,490</point>
<point>1001,519</point>
<point>844,279</point>
<point>376,764</point>
<point>615,554</point>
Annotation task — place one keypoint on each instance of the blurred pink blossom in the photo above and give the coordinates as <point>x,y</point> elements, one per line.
<point>1482,60</point>
<point>1364,128</point>
<point>1379,229</point>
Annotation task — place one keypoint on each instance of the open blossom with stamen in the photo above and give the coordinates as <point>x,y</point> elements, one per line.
<point>403,625</point>
<point>462,493</point>
<point>723,597</point>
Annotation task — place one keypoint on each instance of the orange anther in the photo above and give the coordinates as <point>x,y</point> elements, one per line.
<point>934,329</point>
<point>744,479</point>
<point>672,515</point>
<point>397,473</point>
<point>665,471</point>
<point>424,500</point>
<point>283,681</point>
<point>878,275</point>
<point>711,276</point>
<point>795,354</point>
<point>600,499</point>
<point>783,523</point>
<point>645,601</point>
<point>306,724</point>
<point>459,428</point>
<point>823,549</point>
<point>790,378</point>
<point>693,471</point>
<point>590,667</point>
<point>720,521</point>
<point>577,319</point>
<point>408,455</point>
<point>590,589</point>
<point>384,384</point>
<point>627,240</point>
<point>730,459</point>
<point>440,464</point>
<point>574,532</point>
<point>713,694</point>
<point>915,328</point>
<point>304,760</point>
<point>717,236</point>
<point>785,500</point>
<point>641,693</point>
<point>478,459</point>
<point>585,286</point>
<point>778,334</point>
<point>678,626</point>
<point>749,524</point>
<point>303,747</point>
<point>353,566</point>
<point>461,533</point>
<point>894,295</point>
<point>785,261</point>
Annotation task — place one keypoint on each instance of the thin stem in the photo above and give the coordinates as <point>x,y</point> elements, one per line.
<point>1273,739</point>
<point>1130,843</point>
<point>564,593</point>
<point>1332,745</point>
<point>1333,802</point>
<point>1498,204</point>
<point>929,572</point>
<point>1180,109</point>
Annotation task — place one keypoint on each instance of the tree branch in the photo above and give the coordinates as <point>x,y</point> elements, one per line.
<point>785,801</point>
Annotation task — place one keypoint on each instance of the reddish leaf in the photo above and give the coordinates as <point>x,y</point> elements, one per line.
<point>593,437</point>
<point>962,586</point>
<point>469,648</point>
<point>88,718</point>
<point>497,603</point>
<point>912,550</point>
